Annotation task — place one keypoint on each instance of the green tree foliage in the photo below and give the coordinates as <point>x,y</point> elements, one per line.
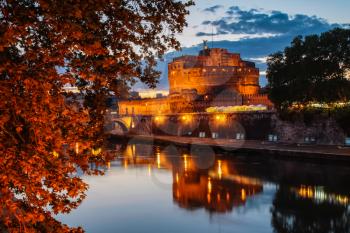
<point>46,135</point>
<point>312,69</point>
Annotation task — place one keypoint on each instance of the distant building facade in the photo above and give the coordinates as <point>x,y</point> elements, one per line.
<point>215,77</point>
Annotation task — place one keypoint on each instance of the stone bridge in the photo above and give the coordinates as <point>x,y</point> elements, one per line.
<point>245,125</point>
<point>258,125</point>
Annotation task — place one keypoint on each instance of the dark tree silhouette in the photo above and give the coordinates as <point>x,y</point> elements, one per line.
<point>312,69</point>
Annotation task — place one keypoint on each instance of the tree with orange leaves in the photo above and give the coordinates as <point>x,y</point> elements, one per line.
<point>46,134</point>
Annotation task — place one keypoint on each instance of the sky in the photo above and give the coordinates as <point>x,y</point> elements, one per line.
<point>254,28</point>
<point>335,11</point>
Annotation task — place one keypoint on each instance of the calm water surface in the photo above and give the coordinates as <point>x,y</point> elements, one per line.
<point>150,188</point>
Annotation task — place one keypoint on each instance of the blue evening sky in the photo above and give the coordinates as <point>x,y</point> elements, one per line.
<point>335,11</point>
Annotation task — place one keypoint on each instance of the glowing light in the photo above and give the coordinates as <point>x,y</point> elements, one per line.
<point>241,108</point>
<point>177,177</point>
<point>319,195</point>
<point>227,196</point>
<point>133,150</point>
<point>243,194</point>
<point>219,169</point>
<point>149,170</point>
<point>159,119</point>
<point>55,154</point>
<point>77,148</point>
<point>220,117</point>
<point>209,185</point>
<point>96,152</point>
<point>109,165</point>
<point>218,197</point>
<point>125,164</point>
<point>158,159</point>
<point>185,162</point>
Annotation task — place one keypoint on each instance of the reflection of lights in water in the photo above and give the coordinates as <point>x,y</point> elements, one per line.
<point>219,169</point>
<point>177,177</point>
<point>158,159</point>
<point>133,149</point>
<point>185,162</point>
<point>319,195</point>
<point>209,185</point>
<point>149,170</point>
<point>243,194</point>
<point>306,192</point>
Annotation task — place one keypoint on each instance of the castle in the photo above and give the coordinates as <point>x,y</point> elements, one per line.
<point>214,78</point>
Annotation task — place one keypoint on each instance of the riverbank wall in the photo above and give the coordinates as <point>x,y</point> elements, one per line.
<point>262,126</point>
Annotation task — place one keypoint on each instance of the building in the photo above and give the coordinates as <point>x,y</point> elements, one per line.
<point>214,78</point>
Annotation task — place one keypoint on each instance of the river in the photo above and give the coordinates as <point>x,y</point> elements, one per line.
<point>164,188</point>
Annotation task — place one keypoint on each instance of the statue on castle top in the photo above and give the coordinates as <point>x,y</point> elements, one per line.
<point>205,45</point>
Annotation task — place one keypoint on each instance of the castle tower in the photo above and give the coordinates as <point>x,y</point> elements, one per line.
<point>212,71</point>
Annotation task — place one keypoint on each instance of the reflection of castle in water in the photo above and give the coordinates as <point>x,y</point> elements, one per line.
<point>306,199</point>
<point>194,189</point>
<point>216,188</point>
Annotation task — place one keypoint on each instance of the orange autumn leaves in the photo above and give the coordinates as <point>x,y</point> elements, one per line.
<point>99,46</point>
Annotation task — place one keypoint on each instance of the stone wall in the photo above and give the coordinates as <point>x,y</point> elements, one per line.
<point>249,126</point>
<point>321,131</point>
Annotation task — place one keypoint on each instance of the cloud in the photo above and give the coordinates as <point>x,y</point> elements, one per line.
<point>237,21</point>
<point>213,9</point>
<point>256,34</point>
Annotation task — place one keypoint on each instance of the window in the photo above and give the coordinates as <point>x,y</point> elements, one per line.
<point>202,134</point>
<point>214,135</point>
<point>309,139</point>
<point>347,141</point>
<point>272,138</point>
<point>240,136</point>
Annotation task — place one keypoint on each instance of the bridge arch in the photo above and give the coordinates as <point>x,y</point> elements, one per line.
<point>119,127</point>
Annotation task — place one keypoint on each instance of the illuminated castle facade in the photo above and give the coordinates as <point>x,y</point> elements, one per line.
<point>214,78</point>
<point>213,70</point>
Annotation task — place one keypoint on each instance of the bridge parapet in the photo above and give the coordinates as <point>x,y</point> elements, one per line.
<point>255,125</point>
